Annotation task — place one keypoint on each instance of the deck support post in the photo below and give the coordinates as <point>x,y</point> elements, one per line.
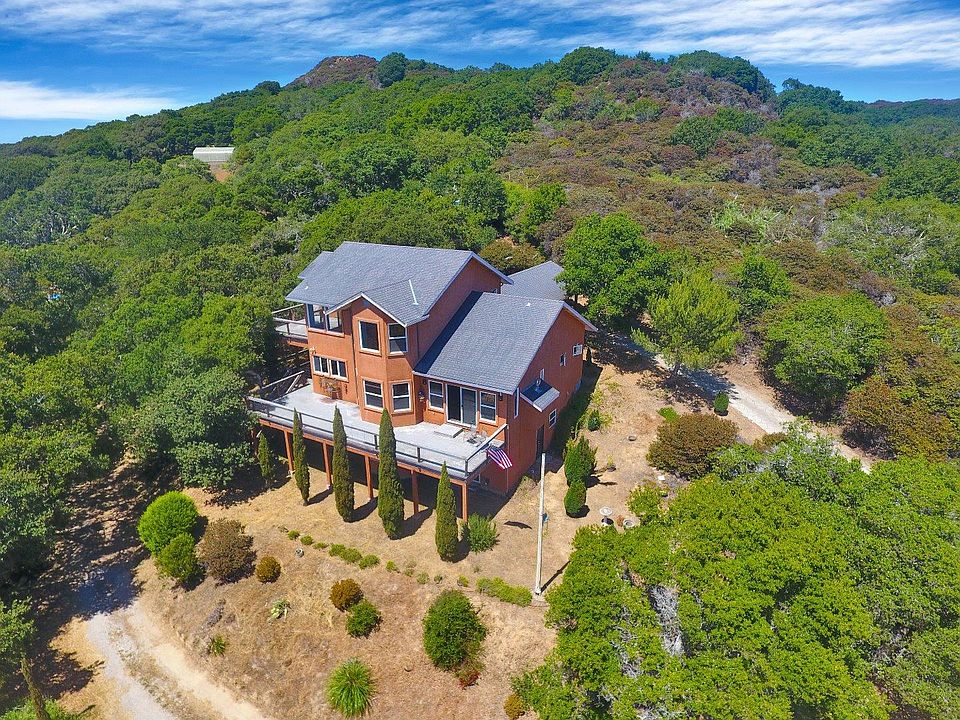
<point>416,492</point>
<point>286,442</point>
<point>366,464</point>
<point>463,498</point>
<point>326,464</point>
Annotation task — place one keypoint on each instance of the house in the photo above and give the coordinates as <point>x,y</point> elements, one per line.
<point>213,155</point>
<point>466,360</point>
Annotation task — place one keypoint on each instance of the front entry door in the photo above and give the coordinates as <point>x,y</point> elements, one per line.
<point>540,441</point>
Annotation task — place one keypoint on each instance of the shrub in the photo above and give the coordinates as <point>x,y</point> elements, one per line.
<point>685,446</point>
<point>345,594</point>
<point>225,549</point>
<point>392,566</point>
<point>168,516</point>
<point>293,534</point>
<point>349,554</point>
<point>268,569</point>
<point>217,645</point>
<point>468,672</point>
<point>499,589</point>
<point>594,421</point>
<point>580,461</point>
<point>265,458</point>
<point>368,561</point>
<point>575,498</point>
<point>350,688</point>
<point>438,578</point>
<point>721,403</point>
<point>423,578</point>
<point>390,496</point>
<point>363,619</point>
<point>514,706</point>
<point>342,483</point>
<point>178,559</point>
<point>482,533</point>
<point>452,630</point>
<point>301,471</point>
<point>306,540</point>
<point>279,609</point>
<point>644,503</point>
<point>463,581</point>
<point>27,712</point>
<point>668,413</point>
<point>320,545</point>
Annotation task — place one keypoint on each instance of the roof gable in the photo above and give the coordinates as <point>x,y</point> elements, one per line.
<point>537,281</point>
<point>405,282</point>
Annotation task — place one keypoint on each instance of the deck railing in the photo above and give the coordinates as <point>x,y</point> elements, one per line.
<point>408,453</point>
<point>290,321</point>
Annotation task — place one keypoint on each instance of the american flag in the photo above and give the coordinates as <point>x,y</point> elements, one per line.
<point>499,457</point>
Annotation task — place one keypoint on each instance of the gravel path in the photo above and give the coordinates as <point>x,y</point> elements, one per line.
<point>154,678</point>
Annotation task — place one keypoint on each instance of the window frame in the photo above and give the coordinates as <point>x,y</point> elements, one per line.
<point>338,330</point>
<point>553,417</point>
<point>563,359</point>
<point>316,320</point>
<point>516,403</point>
<point>577,350</point>
<point>391,339</point>
<point>360,336</point>
<point>393,397</point>
<point>318,367</point>
<point>430,395</point>
<point>481,406</point>
<point>365,394</point>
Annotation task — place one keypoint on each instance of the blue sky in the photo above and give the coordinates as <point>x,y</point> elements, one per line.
<point>68,63</point>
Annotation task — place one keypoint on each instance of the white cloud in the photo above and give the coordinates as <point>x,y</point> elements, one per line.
<point>29,101</point>
<point>857,33</point>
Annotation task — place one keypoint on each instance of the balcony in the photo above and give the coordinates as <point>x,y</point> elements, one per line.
<point>291,324</point>
<point>424,446</point>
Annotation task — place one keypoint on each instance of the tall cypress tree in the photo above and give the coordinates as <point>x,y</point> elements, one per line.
<point>301,473</point>
<point>342,484</point>
<point>390,494</point>
<point>446,533</point>
<point>265,458</point>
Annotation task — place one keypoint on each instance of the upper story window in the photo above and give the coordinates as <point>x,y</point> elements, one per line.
<point>373,394</point>
<point>488,406</point>
<point>315,317</point>
<point>334,323</point>
<point>397,335</point>
<point>436,395</point>
<point>577,350</point>
<point>563,359</point>
<point>369,336</point>
<point>553,417</point>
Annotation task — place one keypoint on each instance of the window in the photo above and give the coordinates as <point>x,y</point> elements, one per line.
<point>516,402</point>
<point>315,317</point>
<point>553,418</point>
<point>401,396</point>
<point>369,337</point>
<point>577,350</point>
<point>373,394</point>
<point>334,323</point>
<point>330,367</point>
<point>541,373</point>
<point>563,359</point>
<point>436,395</point>
<point>398,338</point>
<point>461,405</point>
<point>488,406</point>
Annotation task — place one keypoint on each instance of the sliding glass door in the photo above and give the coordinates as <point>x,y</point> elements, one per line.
<point>461,405</point>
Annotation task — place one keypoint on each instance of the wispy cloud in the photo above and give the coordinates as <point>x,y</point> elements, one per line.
<point>29,101</point>
<point>856,33</point>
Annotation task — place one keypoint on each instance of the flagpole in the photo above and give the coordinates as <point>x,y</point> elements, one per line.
<point>537,590</point>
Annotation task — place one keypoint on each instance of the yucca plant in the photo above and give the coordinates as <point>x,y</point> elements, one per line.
<point>350,689</point>
<point>217,645</point>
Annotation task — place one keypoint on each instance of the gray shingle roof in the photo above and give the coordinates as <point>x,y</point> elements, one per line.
<point>538,281</point>
<point>403,281</point>
<point>491,341</point>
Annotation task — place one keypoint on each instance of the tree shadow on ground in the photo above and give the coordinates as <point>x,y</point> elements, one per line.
<point>364,511</point>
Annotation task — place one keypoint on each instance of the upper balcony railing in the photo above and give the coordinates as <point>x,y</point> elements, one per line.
<point>291,323</point>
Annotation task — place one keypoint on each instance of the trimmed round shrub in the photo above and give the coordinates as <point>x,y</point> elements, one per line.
<point>514,706</point>
<point>168,516</point>
<point>350,688</point>
<point>345,594</point>
<point>686,445</point>
<point>452,630</point>
<point>482,533</point>
<point>721,403</point>
<point>363,619</point>
<point>268,569</point>
<point>575,498</point>
<point>225,550</point>
<point>178,560</point>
